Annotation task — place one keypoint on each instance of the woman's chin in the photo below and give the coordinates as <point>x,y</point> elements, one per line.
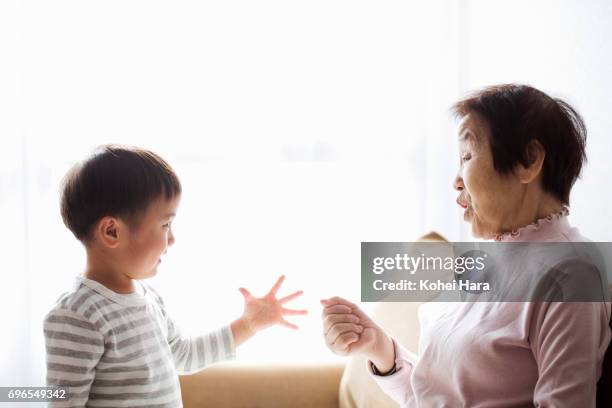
<point>477,230</point>
<point>469,218</point>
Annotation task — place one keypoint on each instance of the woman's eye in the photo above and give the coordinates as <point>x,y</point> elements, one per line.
<point>466,157</point>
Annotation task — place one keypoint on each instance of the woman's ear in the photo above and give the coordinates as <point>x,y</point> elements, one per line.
<point>535,159</point>
<point>109,231</point>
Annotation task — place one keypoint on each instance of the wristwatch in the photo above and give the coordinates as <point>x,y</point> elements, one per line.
<point>376,372</point>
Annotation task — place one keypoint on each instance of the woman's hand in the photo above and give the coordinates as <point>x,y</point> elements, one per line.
<point>263,312</point>
<point>349,331</point>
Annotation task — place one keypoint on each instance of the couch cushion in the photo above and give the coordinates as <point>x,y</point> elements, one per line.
<point>229,385</point>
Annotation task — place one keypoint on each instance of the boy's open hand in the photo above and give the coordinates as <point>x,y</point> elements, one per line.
<point>260,313</point>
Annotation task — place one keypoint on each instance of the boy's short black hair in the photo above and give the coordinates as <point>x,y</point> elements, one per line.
<point>517,114</point>
<point>115,180</point>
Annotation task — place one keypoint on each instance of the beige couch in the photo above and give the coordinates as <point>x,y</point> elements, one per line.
<point>333,386</point>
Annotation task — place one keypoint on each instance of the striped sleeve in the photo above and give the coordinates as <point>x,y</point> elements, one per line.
<point>192,354</point>
<point>73,349</point>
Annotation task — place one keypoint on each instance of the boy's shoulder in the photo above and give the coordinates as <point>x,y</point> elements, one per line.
<point>153,293</point>
<point>93,305</point>
<point>80,302</point>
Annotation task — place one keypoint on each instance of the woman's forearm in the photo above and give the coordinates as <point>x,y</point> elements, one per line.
<point>383,353</point>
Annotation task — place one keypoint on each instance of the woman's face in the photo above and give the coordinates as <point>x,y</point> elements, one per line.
<point>489,198</point>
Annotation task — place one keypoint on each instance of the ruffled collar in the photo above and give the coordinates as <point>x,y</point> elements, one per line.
<point>534,226</point>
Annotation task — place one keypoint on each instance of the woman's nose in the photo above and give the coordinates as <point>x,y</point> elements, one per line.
<point>458,183</point>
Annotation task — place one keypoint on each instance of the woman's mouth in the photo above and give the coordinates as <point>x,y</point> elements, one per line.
<point>462,205</point>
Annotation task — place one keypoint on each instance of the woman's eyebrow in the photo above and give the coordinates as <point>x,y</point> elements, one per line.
<point>467,135</point>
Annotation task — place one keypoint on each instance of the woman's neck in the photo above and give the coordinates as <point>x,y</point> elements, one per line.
<point>532,210</point>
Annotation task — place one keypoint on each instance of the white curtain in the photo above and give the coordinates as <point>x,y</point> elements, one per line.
<point>298,129</point>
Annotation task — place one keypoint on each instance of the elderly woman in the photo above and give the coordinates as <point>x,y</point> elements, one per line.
<point>521,152</point>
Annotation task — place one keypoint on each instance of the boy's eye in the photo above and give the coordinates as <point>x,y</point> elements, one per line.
<point>166,225</point>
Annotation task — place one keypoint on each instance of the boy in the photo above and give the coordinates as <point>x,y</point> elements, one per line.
<point>110,340</point>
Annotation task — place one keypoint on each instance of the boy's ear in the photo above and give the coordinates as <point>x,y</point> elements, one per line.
<point>109,230</point>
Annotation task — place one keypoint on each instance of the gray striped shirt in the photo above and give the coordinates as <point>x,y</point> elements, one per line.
<point>115,350</point>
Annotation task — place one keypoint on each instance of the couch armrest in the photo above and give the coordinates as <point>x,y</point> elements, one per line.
<point>230,385</point>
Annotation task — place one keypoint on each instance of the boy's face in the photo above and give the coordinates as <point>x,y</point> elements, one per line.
<point>150,238</point>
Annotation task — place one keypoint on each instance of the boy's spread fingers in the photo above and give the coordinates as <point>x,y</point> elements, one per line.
<point>277,285</point>
<point>245,292</point>
<point>285,323</point>
<point>294,311</point>
<point>291,297</point>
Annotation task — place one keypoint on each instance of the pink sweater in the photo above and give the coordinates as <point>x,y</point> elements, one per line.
<point>505,354</point>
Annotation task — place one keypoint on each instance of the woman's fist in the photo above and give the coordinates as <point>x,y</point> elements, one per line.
<point>349,331</point>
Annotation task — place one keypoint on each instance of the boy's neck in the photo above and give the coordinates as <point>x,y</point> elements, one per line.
<point>108,276</point>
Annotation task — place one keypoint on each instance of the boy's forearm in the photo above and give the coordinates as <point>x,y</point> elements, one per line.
<point>241,331</point>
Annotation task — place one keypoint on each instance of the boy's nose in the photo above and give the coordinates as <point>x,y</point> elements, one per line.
<point>170,239</point>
